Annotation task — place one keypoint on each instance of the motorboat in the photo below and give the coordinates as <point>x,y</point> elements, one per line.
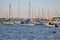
<point>51,25</point>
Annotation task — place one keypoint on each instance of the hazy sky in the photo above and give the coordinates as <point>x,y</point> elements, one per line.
<point>20,8</point>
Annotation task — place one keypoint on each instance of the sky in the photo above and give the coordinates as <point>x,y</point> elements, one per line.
<point>20,8</point>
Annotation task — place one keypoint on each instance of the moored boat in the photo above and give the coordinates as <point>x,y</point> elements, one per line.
<point>51,25</point>
<point>27,24</point>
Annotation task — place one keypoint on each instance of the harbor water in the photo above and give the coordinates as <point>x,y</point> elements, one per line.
<point>37,32</point>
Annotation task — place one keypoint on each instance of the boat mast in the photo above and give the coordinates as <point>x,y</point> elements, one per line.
<point>56,12</point>
<point>42,12</point>
<point>18,9</point>
<point>7,15</point>
<point>32,13</point>
<point>48,14</point>
<point>35,12</point>
<point>59,12</point>
<point>38,12</point>
<point>9,9</point>
<point>29,8</point>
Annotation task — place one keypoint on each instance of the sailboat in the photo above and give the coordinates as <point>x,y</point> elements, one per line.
<point>57,19</point>
<point>37,20</point>
<point>26,22</point>
<point>9,20</point>
<point>49,23</point>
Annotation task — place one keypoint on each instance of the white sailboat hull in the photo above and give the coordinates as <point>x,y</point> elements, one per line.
<point>17,22</point>
<point>50,25</point>
<point>37,23</point>
<point>27,24</point>
<point>56,22</point>
<point>8,23</point>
